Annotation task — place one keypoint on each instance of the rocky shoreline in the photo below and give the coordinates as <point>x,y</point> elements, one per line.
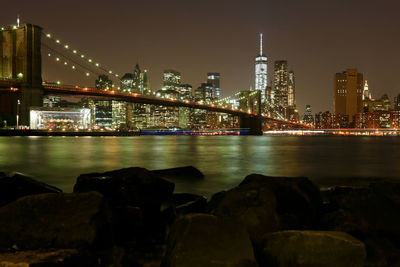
<point>132,217</point>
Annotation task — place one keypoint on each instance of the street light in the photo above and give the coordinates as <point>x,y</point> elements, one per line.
<point>18,103</point>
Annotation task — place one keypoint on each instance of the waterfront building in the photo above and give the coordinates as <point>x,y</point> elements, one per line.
<point>281,81</point>
<point>348,89</point>
<point>118,114</point>
<point>323,120</point>
<point>382,104</point>
<point>104,83</point>
<point>340,121</point>
<point>168,116</point>
<point>308,117</point>
<point>59,118</point>
<point>185,113</point>
<point>378,119</point>
<point>261,71</point>
<point>214,78</point>
<point>100,112</point>
<point>397,103</point>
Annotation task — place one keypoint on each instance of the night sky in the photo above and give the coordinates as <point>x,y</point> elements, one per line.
<point>317,37</point>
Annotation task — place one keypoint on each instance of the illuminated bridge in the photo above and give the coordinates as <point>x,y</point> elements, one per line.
<point>21,85</point>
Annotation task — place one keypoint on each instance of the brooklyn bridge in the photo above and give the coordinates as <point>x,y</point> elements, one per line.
<point>22,89</point>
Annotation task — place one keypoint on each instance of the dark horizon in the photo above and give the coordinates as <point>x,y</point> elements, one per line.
<point>317,39</point>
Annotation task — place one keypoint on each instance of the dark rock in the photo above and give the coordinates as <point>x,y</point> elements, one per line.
<point>20,185</point>
<point>42,258</point>
<point>372,215</point>
<point>206,240</point>
<point>131,186</point>
<point>267,204</point>
<point>189,203</point>
<point>127,223</point>
<point>188,172</point>
<point>312,248</point>
<point>135,187</point>
<point>55,221</point>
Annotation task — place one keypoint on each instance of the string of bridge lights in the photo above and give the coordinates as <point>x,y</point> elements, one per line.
<point>81,56</point>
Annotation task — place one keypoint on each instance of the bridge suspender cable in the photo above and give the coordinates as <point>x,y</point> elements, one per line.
<point>75,63</point>
<point>81,56</point>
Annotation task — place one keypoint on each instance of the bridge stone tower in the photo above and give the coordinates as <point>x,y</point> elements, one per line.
<point>21,62</point>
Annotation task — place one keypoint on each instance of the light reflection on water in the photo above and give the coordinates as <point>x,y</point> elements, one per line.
<point>225,160</point>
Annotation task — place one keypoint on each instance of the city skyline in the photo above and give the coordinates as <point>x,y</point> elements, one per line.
<point>314,40</point>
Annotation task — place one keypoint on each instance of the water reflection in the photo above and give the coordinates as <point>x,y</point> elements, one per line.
<point>225,160</point>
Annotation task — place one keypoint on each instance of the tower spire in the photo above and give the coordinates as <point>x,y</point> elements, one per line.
<point>18,21</point>
<point>261,44</point>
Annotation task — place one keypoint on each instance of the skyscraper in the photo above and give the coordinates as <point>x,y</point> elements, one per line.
<point>127,82</point>
<point>171,80</point>
<point>261,72</point>
<point>308,117</point>
<point>104,83</point>
<point>348,93</point>
<point>137,83</point>
<point>397,103</point>
<point>291,90</point>
<point>281,81</point>
<point>214,79</point>
<point>366,93</point>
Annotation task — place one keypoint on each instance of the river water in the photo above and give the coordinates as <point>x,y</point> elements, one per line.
<point>225,160</point>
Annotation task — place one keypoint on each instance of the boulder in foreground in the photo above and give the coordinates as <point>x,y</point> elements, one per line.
<point>205,240</point>
<point>187,173</point>
<point>268,204</point>
<point>131,186</point>
<point>312,248</point>
<point>55,221</point>
<point>20,185</point>
<point>371,214</point>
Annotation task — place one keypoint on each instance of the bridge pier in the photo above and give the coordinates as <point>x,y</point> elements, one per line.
<point>253,123</point>
<point>21,61</point>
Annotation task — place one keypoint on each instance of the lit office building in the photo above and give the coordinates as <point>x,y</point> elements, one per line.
<point>281,80</point>
<point>261,72</point>
<point>204,93</point>
<point>171,80</point>
<point>101,112</point>
<point>103,83</point>
<point>127,82</point>
<point>185,92</point>
<point>397,103</point>
<point>137,80</point>
<point>118,114</point>
<point>291,90</point>
<point>215,79</point>
<point>323,120</point>
<point>348,93</point>
<point>146,83</point>
<point>308,117</point>
<point>382,104</point>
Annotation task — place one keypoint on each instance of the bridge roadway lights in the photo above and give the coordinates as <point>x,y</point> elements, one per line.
<point>253,123</point>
